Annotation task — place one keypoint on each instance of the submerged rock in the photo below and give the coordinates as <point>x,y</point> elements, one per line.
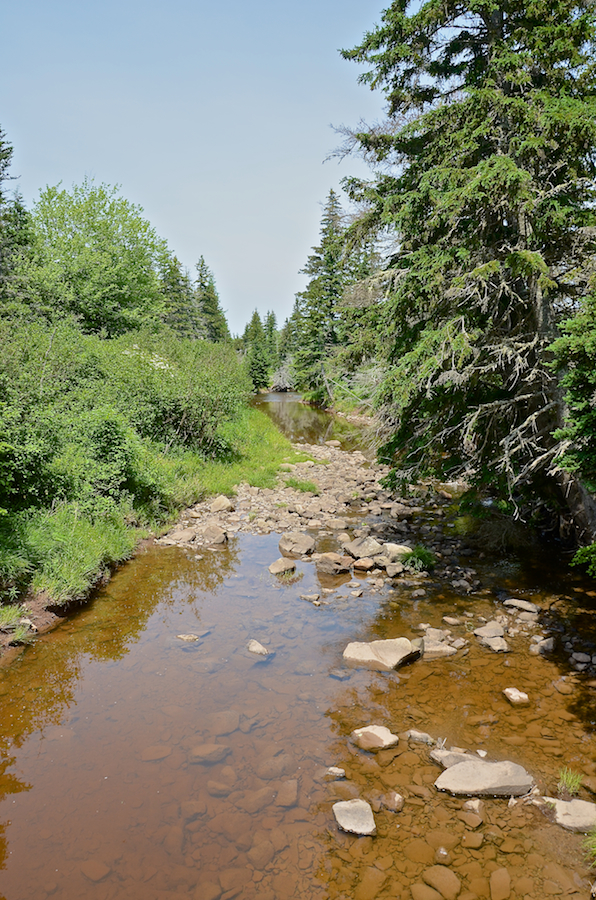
<point>258,649</point>
<point>433,649</point>
<point>355,816</point>
<point>382,656</point>
<point>480,778</point>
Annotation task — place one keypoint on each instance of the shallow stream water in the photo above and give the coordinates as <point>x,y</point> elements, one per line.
<point>105,721</point>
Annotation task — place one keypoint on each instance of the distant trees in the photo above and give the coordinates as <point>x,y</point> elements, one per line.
<point>207,300</point>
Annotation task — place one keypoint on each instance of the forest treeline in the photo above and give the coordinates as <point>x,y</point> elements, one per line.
<point>457,296</point>
<point>122,395</point>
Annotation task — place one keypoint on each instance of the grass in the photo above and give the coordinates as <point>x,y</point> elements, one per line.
<point>569,782</point>
<point>419,559</point>
<point>589,846</point>
<point>9,616</point>
<point>64,552</point>
<point>300,484</point>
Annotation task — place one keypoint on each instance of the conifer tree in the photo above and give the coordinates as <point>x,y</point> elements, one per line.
<point>486,171</point>
<point>207,300</point>
<point>182,312</point>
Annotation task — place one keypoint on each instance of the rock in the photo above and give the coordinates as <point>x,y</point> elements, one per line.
<point>355,816</point>
<point>258,649</point>
<point>395,552</point>
<point>207,754</point>
<point>188,638</point>
<point>95,870</point>
<point>364,546</point>
<point>371,884</point>
<point>515,697</point>
<point>382,656</point>
<point>475,806</point>
<point>221,504</point>
<point>333,564</point>
<point>224,722</point>
<point>288,793</point>
<point>443,880</point>
<point>374,737</point>
<point>192,809</point>
<point>254,801</point>
<point>451,620</point>
<point>547,645</point>
<point>333,443</point>
<point>424,892</point>
<point>419,737</point>
<point>207,890</point>
<point>218,789</point>
<point>394,569</point>
<point>392,801</point>
<point>182,536</point>
<point>490,630</point>
<point>213,534</point>
<point>574,815</point>
<point>335,772</point>
<point>282,565</point>
<point>487,779</point>
<point>365,564</point>
<point>500,885</point>
<point>436,649</point>
<point>312,598</point>
<point>156,752</point>
<point>524,605</point>
<point>261,854</point>
<point>275,766</point>
<point>448,758</point>
<point>296,543</point>
<point>496,644</point>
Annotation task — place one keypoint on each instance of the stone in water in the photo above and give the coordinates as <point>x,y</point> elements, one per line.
<point>485,779</point>
<point>374,737</point>
<point>515,697</point>
<point>355,816</point>
<point>382,656</point>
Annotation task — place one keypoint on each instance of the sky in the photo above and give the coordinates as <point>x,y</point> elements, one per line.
<point>215,117</point>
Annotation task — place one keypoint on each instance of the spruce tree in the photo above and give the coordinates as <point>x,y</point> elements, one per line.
<point>207,299</point>
<point>182,312</point>
<point>485,177</point>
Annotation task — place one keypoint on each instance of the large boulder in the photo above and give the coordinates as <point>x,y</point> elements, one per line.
<point>296,543</point>
<point>364,546</point>
<point>355,816</point>
<point>395,552</point>
<point>479,778</point>
<point>381,655</point>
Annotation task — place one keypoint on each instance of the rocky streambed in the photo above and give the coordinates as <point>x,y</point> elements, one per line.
<point>346,728</point>
<point>441,843</point>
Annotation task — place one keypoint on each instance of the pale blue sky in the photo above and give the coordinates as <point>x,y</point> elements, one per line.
<point>214,117</point>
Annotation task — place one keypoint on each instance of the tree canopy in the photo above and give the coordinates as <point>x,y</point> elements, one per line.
<point>484,176</point>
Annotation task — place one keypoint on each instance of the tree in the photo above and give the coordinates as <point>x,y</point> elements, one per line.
<point>485,177</point>
<point>207,300</point>
<point>94,257</point>
<point>271,338</point>
<point>182,312</point>
<point>315,312</point>
<point>254,342</point>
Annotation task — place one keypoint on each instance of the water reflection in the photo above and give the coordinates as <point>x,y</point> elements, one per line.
<point>307,424</point>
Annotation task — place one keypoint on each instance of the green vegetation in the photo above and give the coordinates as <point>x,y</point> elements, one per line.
<point>122,399</point>
<point>300,484</point>
<point>569,782</point>
<point>589,846</point>
<point>419,559</point>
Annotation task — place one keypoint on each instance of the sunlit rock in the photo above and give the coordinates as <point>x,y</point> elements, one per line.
<point>381,655</point>
<point>374,737</point>
<point>487,779</point>
<point>355,816</point>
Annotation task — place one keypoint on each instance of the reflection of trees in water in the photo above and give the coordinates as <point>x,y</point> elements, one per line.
<point>39,687</point>
<point>306,423</point>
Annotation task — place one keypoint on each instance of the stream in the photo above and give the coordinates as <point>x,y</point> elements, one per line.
<point>137,765</point>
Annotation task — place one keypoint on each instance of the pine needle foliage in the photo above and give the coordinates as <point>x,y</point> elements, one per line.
<point>484,176</point>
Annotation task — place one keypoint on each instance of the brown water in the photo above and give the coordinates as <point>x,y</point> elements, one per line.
<point>102,796</point>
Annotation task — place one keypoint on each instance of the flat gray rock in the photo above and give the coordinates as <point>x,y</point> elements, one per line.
<point>257,649</point>
<point>574,815</point>
<point>355,816</point>
<point>380,655</point>
<point>364,546</point>
<point>485,779</point>
<point>296,543</point>
<point>448,758</point>
<point>496,644</point>
<point>282,565</point>
<point>524,605</point>
<point>490,630</point>
<point>436,649</point>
